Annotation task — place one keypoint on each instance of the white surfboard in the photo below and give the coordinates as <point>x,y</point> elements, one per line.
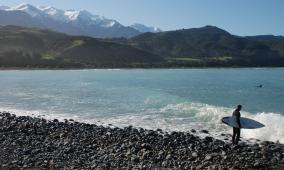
<point>246,123</point>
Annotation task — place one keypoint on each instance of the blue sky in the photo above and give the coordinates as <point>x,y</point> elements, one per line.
<point>239,17</point>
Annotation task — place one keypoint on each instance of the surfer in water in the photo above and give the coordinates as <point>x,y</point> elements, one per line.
<point>237,131</point>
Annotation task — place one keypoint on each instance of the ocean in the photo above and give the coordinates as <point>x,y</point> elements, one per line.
<point>169,99</point>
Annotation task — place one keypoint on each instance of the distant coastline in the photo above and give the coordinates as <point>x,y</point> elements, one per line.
<point>127,68</point>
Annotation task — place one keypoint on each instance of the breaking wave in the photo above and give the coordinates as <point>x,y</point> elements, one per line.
<point>177,117</point>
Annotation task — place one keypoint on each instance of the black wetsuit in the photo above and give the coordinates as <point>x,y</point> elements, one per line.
<point>236,131</point>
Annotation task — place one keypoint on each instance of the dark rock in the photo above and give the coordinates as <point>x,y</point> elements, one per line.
<point>204,131</point>
<point>208,139</point>
<point>134,159</point>
<point>146,146</point>
<point>274,148</point>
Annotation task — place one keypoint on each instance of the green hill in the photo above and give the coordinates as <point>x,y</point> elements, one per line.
<point>199,47</point>
<point>30,47</point>
<point>211,46</point>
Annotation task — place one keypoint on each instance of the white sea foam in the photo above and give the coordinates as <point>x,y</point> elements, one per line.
<point>273,129</point>
<point>186,116</point>
<point>179,117</point>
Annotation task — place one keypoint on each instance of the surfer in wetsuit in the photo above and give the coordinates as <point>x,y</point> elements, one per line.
<point>237,131</point>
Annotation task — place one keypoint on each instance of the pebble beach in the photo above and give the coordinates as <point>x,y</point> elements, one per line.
<point>37,143</point>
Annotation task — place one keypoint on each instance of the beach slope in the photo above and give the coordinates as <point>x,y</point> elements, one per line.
<point>27,142</point>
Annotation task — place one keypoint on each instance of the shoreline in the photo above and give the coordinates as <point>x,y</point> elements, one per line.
<point>133,68</point>
<point>30,142</point>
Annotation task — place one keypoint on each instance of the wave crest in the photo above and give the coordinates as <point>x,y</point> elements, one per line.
<point>180,117</point>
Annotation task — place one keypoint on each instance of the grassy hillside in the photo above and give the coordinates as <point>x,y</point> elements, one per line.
<point>30,47</point>
<point>200,47</point>
<point>211,46</point>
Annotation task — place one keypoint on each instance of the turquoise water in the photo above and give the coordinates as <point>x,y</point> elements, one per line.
<point>171,99</point>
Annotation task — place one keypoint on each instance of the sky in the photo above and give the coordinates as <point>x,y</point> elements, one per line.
<point>239,17</point>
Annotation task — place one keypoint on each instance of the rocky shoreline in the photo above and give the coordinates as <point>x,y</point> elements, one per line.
<point>37,143</point>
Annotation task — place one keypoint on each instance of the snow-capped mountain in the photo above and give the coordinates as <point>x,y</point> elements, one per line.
<point>54,13</point>
<point>68,21</point>
<point>144,28</point>
<point>29,9</point>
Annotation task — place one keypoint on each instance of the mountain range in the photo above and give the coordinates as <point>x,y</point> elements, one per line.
<point>211,46</point>
<point>50,37</point>
<point>207,46</point>
<point>142,28</point>
<point>38,48</point>
<point>71,22</point>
